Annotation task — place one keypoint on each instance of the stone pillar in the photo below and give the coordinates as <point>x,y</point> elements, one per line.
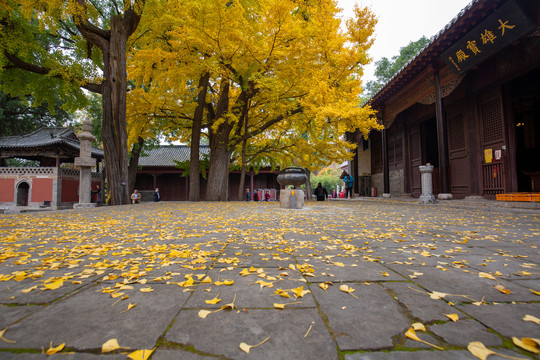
<point>85,162</point>
<point>291,199</point>
<point>427,185</point>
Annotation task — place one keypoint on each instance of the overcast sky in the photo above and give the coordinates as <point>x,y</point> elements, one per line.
<point>403,21</point>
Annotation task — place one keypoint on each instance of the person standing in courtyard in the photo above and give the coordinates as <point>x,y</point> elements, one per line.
<point>157,196</point>
<point>321,192</point>
<point>349,182</point>
<point>248,195</point>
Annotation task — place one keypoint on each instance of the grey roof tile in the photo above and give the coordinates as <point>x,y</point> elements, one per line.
<point>166,155</point>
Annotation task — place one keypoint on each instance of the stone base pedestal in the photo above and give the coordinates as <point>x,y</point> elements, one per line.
<point>427,199</point>
<point>291,199</point>
<point>386,195</point>
<point>444,196</point>
<point>84,205</point>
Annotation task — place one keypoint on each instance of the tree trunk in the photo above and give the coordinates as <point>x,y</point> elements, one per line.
<point>114,128</point>
<point>194,178</point>
<point>134,163</point>
<point>220,155</point>
<point>308,184</point>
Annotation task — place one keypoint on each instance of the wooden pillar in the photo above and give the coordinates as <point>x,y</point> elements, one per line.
<point>442,142</point>
<point>251,183</point>
<point>154,176</point>
<point>187,187</point>
<point>386,170</point>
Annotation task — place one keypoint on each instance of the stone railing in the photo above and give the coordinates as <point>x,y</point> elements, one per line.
<point>27,171</point>
<point>70,172</point>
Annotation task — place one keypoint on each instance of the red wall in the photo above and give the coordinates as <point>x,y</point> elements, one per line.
<point>42,190</point>
<point>7,190</point>
<point>70,189</point>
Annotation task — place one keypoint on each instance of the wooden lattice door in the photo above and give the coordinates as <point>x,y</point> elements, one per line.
<point>492,137</point>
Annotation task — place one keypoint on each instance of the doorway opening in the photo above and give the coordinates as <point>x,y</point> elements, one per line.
<point>525,97</point>
<point>22,194</point>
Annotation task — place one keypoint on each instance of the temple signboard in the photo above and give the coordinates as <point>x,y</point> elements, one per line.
<point>505,25</point>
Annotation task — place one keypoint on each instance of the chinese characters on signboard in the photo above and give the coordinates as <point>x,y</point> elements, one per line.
<point>505,25</point>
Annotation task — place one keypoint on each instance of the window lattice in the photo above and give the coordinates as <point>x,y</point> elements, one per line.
<point>456,131</point>
<point>492,127</point>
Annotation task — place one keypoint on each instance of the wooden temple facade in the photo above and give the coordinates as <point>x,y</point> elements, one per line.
<point>51,184</point>
<point>158,168</point>
<point>469,104</point>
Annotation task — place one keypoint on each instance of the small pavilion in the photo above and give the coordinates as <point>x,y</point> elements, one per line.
<point>53,184</point>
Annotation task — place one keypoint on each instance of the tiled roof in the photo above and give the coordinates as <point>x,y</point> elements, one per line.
<point>45,137</point>
<point>166,155</point>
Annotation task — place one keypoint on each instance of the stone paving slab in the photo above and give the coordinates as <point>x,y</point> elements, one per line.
<point>373,247</point>
<point>221,333</point>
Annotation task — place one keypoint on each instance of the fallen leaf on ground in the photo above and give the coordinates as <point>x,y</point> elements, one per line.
<point>53,284</point>
<point>528,344</point>
<point>213,301</point>
<point>412,335</point>
<point>348,290</point>
<point>143,354</point>
<point>130,306</point>
<point>245,347</point>
<point>531,318</point>
<point>453,317</point>
<point>482,352</point>
<point>486,275</point>
<point>111,345</point>
<point>282,306</point>
<point>502,289</point>
<point>53,350</point>
<point>146,290</point>
<point>4,339</point>
<point>536,292</point>
<point>300,292</point>
<point>418,327</point>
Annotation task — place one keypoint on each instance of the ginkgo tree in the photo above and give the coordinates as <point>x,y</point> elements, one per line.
<point>212,64</point>
<point>82,44</point>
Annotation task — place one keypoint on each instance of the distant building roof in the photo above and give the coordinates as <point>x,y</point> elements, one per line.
<point>60,138</point>
<point>166,155</point>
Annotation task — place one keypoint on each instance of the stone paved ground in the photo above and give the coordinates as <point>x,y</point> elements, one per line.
<point>69,276</point>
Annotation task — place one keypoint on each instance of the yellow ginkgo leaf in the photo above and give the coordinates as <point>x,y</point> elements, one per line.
<point>437,295</point>
<point>53,350</point>
<point>25,291</point>
<point>412,335</point>
<point>204,313</point>
<point>282,306</point>
<point>292,267</point>
<point>531,318</point>
<point>213,301</point>
<point>206,280</point>
<point>536,292</point>
<point>486,275</point>
<point>224,282</point>
<point>143,354</point>
<point>528,344</point>
<point>111,345</point>
<point>348,290</point>
<point>130,306</point>
<point>53,284</point>
<point>4,339</point>
<point>245,347</point>
<point>244,272</point>
<point>323,286</point>
<point>453,317</point>
<point>300,292</point>
<point>502,289</point>
<point>146,289</point>
<point>482,352</point>
<point>418,327</point>
<point>384,273</point>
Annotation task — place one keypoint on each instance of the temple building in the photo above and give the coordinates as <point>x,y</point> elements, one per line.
<point>159,168</point>
<point>469,104</point>
<point>51,184</point>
